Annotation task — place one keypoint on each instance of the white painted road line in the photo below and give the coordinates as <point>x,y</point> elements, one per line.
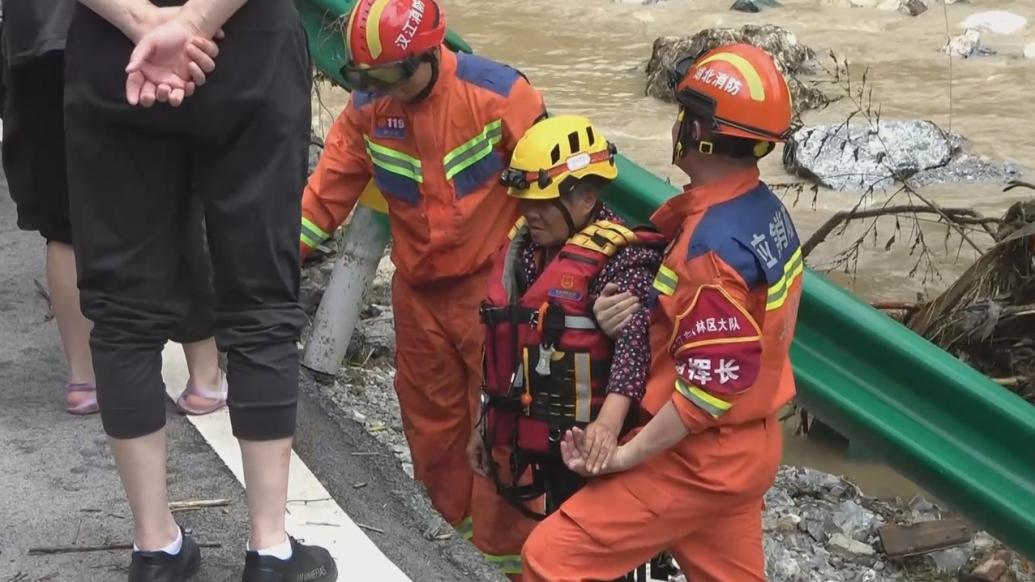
<point>321,521</point>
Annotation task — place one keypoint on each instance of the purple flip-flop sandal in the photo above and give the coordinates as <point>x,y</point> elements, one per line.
<point>218,396</point>
<point>87,406</point>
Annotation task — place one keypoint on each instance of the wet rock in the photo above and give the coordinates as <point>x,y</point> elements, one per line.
<point>859,157</point>
<point>315,151</point>
<point>850,547</point>
<point>923,510</point>
<point>948,561</point>
<point>983,541</point>
<point>374,337</point>
<point>995,21</point>
<point>793,59</point>
<point>990,570</point>
<point>802,481</point>
<point>855,521</point>
<point>967,45</point>
<point>913,7</point>
<point>380,290</point>
<point>313,284</point>
<point>753,5</point>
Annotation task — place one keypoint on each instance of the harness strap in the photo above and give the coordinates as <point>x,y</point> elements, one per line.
<point>516,315</point>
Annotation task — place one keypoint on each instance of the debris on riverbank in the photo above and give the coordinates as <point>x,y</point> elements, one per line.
<point>794,59</point>
<point>987,316</point>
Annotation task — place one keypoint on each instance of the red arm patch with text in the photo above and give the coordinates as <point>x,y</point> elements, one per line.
<point>717,347</point>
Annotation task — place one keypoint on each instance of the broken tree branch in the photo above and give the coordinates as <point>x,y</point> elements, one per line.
<point>895,306</point>
<point>964,216</point>
<point>175,506</point>
<point>370,527</point>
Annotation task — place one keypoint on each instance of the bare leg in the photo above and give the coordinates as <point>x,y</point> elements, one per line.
<point>203,367</point>
<point>73,327</point>
<point>266,482</point>
<point>141,463</point>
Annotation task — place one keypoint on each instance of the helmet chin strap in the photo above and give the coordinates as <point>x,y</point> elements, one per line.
<point>431,58</point>
<point>572,228</point>
<point>567,217</point>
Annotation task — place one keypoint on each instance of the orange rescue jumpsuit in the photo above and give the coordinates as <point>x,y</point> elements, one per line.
<point>437,162</point>
<point>728,294</point>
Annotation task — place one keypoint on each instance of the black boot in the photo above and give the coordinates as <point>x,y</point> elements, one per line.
<point>162,567</point>
<point>306,564</point>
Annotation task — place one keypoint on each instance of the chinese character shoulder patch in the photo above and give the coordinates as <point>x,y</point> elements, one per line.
<point>716,345</point>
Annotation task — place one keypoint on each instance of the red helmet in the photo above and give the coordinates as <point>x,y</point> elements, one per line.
<point>739,89</point>
<point>385,32</point>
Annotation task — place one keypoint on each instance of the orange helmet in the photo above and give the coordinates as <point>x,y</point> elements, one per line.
<point>385,40</point>
<point>739,91</point>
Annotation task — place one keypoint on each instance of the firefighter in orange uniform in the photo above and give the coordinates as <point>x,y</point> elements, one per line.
<point>692,480</point>
<point>434,130</point>
<point>548,364</point>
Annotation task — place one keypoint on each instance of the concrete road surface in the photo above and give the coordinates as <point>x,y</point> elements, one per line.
<point>58,485</point>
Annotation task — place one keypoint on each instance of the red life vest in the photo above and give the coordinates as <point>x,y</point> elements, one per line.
<point>546,361</point>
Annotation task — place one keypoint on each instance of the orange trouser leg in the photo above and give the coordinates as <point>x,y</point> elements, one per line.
<point>500,529</point>
<point>437,379</point>
<point>702,500</point>
<point>730,550</point>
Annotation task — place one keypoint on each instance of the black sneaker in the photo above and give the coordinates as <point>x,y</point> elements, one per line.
<point>306,564</point>
<point>162,567</point>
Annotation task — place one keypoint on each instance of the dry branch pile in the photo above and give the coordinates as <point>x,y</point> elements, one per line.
<point>987,316</point>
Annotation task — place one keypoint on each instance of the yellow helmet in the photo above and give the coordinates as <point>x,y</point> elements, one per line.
<point>554,155</point>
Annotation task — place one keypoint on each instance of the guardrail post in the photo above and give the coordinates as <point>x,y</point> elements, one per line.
<point>363,245</point>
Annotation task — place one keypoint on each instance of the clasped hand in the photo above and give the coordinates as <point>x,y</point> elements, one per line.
<point>594,451</point>
<point>171,59</point>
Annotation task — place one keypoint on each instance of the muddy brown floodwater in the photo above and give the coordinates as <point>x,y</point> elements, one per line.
<point>588,57</point>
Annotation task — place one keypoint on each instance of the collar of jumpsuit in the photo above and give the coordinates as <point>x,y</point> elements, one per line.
<point>446,75</point>
<point>669,217</point>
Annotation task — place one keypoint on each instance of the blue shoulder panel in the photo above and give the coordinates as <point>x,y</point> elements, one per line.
<point>752,233</point>
<point>486,73</point>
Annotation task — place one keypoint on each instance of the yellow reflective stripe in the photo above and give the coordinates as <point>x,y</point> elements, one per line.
<point>722,341</point>
<point>374,27</point>
<point>394,161</point>
<point>705,401</point>
<point>508,564</point>
<point>473,150</point>
<point>465,528</point>
<point>348,29</point>
<point>308,241</point>
<point>666,280</point>
<point>747,70</point>
<point>309,227</point>
<point>791,271</point>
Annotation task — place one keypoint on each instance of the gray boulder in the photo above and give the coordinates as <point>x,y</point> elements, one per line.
<point>913,7</point>
<point>753,6</point>
<point>856,157</point>
<point>967,45</point>
<point>792,58</point>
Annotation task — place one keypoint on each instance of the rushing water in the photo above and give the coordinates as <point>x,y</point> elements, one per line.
<point>588,57</point>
